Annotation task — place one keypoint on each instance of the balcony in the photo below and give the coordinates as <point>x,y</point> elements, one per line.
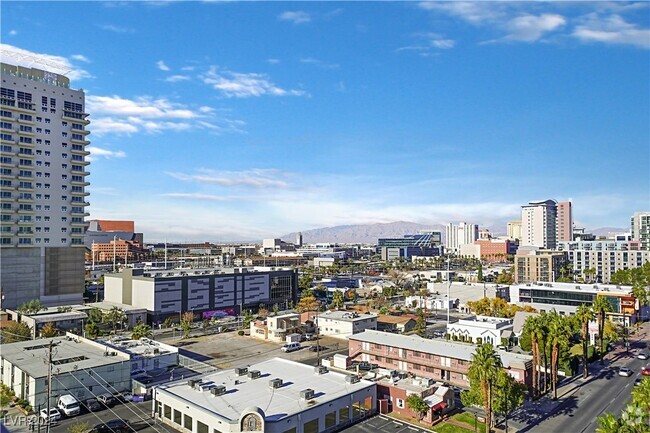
<point>77,141</point>
<point>79,214</point>
<point>7,140</point>
<point>79,224</point>
<point>25,121</point>
<point>80,131</point>
<point>79,173</point>
<point>78,149</point>
<point>22,222</point>
<point>74,161</point>
<point>79,183</point>
<point>25,188</point>
<point>75,117</point>
<point>24,211</point>
<point>25,199</point>
<point>24,177</point>
<point>9,130</point>
<point>25,133</point>
<point>25,232</point>
<point>24,107</point>
<point>79,193</point>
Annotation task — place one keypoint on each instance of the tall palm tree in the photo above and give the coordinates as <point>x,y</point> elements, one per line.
<point>544,346</point>
<point>559,332</point>
<point>529,329</point>
<point>584,314</point>
<point>484,368</point>
<point>601,306</point>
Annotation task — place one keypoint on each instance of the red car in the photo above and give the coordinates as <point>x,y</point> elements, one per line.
<point>646,370</point>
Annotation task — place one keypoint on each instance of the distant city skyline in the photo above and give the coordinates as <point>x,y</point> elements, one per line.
<point>242,121</point>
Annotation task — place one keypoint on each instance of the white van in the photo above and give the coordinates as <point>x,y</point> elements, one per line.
<point>68,405</point>
<point>290,347</point>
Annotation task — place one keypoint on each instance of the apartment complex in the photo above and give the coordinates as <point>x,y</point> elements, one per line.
<point>43,171</point>
<point>490,250</point>
<point>538,224</point>
<point>514,230</point>
<point>169,293</point>
<point>533,264</point>
<point>640,227</point>
<point>564,222</point>
<point>597,261</point>
<point>460,234</point>
<point>437,359</point>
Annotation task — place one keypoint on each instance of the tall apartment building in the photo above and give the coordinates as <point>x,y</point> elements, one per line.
<point>532,265</point>
<point>42,185</point>
<point>514,230</point>
<point>640,225</point>
<point>461,234</point>
<point>564,223</point>
<point>539,224</point>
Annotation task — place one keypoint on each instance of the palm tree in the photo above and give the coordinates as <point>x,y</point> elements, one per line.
<point>530,328</point>
<point>484,368</point>
<point>601,306</point>
<point>584,314</point>
<point>559,332</point>
<point>543,343</point>
<point>608,424</point>
<point>141,331</point>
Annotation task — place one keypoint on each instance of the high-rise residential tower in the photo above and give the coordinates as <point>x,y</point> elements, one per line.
<point>539,224</point>
<point>640,227</point>
<point>43,171</point>
<point>514,230</point>
<point>461,234</point>
<point>564,222</point>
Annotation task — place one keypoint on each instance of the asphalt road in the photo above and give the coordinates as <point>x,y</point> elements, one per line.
<point>605,392</point>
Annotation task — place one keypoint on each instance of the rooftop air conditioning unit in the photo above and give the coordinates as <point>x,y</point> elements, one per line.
<point>321,369</point>
<point>275,383</point>
<point>241,371</point>
<point>351,379</point>
<point>218,390</point>
<point>193,382</point>
<point>254,374</point>
<point>307,394</point>
<point>402,375</point>
<point>156,351</point>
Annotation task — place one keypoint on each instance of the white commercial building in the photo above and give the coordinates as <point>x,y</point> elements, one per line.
<point>640,227</point>
<point>343,324</point>
<point>276,328</point>
<point>42,185</point>
<point>461,234</point>
<point>482,329</point>
<point>274,396</point>
<point>538,224</point>
<point>514,230</point>
<point>145,354</point>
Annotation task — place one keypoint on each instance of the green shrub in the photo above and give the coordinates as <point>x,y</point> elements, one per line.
<point>241,333</point>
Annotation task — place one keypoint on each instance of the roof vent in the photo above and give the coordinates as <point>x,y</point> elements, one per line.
<point>218,390</point>
<point>351,379</point>
<point>254,374</point>
<point>194,382</point>
<point>275,383</point>
<point>307,394</point>
<point>321,369</point>
<point>241,371</point>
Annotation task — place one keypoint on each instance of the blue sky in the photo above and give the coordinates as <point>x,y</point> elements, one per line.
<point>240,120</point>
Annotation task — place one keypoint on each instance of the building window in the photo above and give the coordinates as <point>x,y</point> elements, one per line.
<point>400,403</point>
<point>344,414</point>
<point>187,422</point>
<point>330,419</point>
<point>311,426</point>
<point>201,428</point>
<point>168,412</point>
<point>177,416</point>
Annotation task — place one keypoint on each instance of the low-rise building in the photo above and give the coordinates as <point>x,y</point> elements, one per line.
<point>489,250</point>
<point>482,329</point>
<point>64,319</point>
<point>395,391</point>
<point>145,354</point>
<point>401,324</point>
<point>438,359</point>
<point>274,396</point>
<point>276,328</point>
<point>533,264</point>
<point>343,324</point>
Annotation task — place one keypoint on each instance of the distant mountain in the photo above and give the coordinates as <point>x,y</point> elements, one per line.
<point>603,231</point>
<point>362,233</point>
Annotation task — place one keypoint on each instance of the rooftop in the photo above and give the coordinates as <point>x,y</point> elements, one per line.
<point>442,347</point>
<point>186,272</point>
<point>572,287</point>
<point>243,392</point>
<point>143,347</point>
<point>71,354</point>
<point>107,305</point>
<point>346,316</point>
<point>387,318</point>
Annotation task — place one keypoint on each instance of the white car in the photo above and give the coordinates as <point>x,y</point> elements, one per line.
<point>54,415</point>
<point>642,355</point>
<point>624,371</point>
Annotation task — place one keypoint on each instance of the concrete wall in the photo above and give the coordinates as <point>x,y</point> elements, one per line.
<point>20,275</point>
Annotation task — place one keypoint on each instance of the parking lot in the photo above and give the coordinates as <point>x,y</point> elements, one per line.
<point>383,424</point>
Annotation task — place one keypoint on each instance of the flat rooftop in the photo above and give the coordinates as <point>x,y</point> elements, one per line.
<point>440,347</point>
<point>107,305</point>
<point>68,356</point>
<point>242,392</point>
<point>346,316</point>
<point>614,289</point>
<point>143,347</point>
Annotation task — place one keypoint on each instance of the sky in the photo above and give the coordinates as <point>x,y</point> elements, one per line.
<point>219,120</point>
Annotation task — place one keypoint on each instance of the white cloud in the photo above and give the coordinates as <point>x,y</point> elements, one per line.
<point>196,196</point>
<point>273,61</point>
<point>529,28</point>
<point>428,44</point>
<point>319,63</point>
<point>109,125</point>
<point>116,29</point>
<point>162,66</point>
<point>477,12</point>
<point>244,85</point>
<point>253,178</point>
<point>98,152</point>
<point>80,57</point>
<point>177,78</point>
<point>612,30</point>
<point>443,43</point>
<point>57,64</point>
<point>296,17</point>
<point>145,107</point>
<point>13,32</point>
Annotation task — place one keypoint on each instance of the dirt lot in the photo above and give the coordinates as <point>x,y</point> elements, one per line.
<point>229,350</point>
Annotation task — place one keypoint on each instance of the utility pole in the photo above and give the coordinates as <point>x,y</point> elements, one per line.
<point>448,288</point>
<point>50,347</point>
<point>114,251</point>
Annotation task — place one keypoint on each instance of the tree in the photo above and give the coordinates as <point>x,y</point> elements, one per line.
<point>417,405</point>
<point>480,272</point>
<point>601,306</point>
<point>15,331</point>
<point>559,332</point>
<point>92,330</point>
<point>276,309</point>
<point>533,327</point>
<point>399,278</point>
<point>95,315</point>
<point>31,307</point>
<point>141,331</point>
<point>584,314</point>
<point>308,302</point>
<point>608,424</point>
<point>78,427</point>
<point>634,417</point>
<point>187,318</point>
<point>115,316</point>
<point>420,323</point>
<point>483,371</point>
<point>338,300</point>
<point>506,277</point>
<point>49,330</point>
<point>508,393</point>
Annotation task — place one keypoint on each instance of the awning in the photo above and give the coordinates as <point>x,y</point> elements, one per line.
<point>439,406</point>
<point>435,402</point>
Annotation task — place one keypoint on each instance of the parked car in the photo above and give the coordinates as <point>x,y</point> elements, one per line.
<point>365,366</point>
<point>290,347</point>
<point>68,405</point>
<point>637,381</point>
<point>317,348</point>
<point>643,355</point>
<point>54,415</point>
<point>92,405</point>
<point>138,372</point>
<point>106,399</point>
<point>624,371</point>
<point>123,396</point>
<point>646,370</point>
<point>112,426</point>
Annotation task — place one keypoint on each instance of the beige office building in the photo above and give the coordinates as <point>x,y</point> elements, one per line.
<point>533,265</point>
<point>514,230</point>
